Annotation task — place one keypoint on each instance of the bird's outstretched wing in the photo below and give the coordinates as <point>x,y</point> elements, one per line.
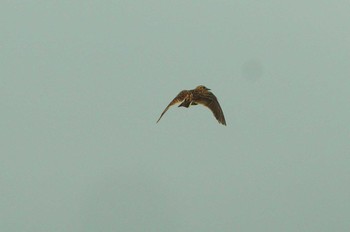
<point>209,100</point>
<point>179,98</point>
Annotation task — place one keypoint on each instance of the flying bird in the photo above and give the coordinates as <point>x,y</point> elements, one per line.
<point>199,95</point>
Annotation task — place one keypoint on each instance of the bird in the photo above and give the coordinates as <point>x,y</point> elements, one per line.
<point>199,95</point>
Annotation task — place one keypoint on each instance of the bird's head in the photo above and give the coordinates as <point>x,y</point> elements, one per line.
<point>202,87</point>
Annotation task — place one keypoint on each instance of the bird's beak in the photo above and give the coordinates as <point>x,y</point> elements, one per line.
<point>207,88</point>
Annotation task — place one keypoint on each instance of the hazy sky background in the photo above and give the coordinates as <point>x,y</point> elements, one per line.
<point>82,84</point>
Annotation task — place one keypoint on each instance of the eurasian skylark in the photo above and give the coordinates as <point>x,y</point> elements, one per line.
<point>199,95</point>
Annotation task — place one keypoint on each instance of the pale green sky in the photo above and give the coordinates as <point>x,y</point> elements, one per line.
<point>82,84</point>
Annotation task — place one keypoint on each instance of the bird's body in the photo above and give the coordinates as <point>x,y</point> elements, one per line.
<point>199,95</point>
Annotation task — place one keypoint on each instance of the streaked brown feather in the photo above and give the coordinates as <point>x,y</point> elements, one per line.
<point>179,98</point>
<point>209,100</point>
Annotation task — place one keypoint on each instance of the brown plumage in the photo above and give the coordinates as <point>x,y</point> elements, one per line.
<point>199,95</point>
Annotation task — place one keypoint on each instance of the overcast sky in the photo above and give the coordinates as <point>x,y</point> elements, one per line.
<point>82,84</point>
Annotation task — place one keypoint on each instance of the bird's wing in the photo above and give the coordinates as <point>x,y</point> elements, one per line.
<point>209,100</point>
<point>179,98</point>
